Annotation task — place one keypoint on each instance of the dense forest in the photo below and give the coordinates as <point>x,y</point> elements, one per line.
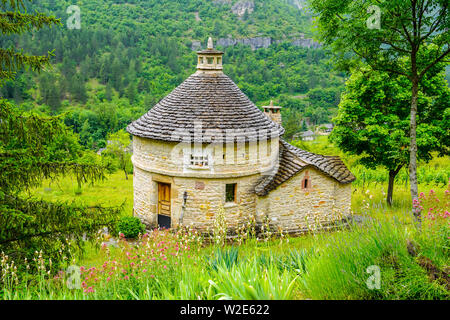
<point>127,55</point>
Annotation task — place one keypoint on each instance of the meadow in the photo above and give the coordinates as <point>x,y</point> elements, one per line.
<point>382,256</point>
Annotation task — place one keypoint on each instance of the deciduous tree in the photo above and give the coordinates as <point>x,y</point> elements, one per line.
<point>373,120</point>
<point>385,34</point>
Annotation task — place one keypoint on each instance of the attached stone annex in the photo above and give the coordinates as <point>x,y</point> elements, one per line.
<point>206,148</point>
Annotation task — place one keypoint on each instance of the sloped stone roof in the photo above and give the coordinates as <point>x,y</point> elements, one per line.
<point>292,160</point>
<point>210,99</point>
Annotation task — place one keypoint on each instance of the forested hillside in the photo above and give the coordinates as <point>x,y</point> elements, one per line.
<point>127,55</point>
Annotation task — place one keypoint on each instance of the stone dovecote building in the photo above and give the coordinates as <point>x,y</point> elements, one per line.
<point>206,148</point>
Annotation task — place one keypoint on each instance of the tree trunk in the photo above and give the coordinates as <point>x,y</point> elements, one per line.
<point>390,192</point>
<point>126,175</point>
<point>413,152</point>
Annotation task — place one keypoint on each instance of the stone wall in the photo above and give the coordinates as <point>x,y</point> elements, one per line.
<point>156,161</point>
<point>205,197</point>
<point>290,207</point>
<point>297,210</point>
<point>169,158</point>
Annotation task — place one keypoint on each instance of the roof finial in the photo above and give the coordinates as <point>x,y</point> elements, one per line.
<point>210,43</point>
<point>271,103</point>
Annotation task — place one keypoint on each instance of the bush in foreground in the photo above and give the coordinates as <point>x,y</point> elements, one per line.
<point>130,227</point>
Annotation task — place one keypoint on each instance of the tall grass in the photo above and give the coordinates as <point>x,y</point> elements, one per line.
<point>331,265</point>
<point>341,269</point>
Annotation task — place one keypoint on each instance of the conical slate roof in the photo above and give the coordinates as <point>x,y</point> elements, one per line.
<point>212,101</point>
<point>208,106</point>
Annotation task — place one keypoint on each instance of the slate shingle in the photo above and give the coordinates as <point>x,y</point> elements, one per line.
<point>292,160</point>
<point>213,100</point>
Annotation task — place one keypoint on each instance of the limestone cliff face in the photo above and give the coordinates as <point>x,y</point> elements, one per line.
<point>241,7</point>
<point>255,43</point>
<point>259,42</point>
<point>306,43</point>
<point>297,3</point>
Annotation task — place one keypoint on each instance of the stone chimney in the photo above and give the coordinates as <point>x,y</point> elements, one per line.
<point>210,60</point>
<point>273,113</point>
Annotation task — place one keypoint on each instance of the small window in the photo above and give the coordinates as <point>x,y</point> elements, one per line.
<point>210,60</point>
<point>230,192</point>
<point>199,161</point>
<point>219,60</point>
<point>306,182</point>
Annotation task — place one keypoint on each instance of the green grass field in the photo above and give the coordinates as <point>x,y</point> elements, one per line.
<point>324,265</point>
<point>115,190</point>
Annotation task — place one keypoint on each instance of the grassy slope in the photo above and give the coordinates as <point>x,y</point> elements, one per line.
<point>336,261</point>
<point>114,191</point>
<point>331,254</point>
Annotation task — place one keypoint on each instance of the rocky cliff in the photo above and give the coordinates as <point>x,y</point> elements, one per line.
<point>259,42</point>
<point>241,7</point>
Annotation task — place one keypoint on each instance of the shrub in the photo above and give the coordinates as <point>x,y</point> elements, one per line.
<point>248,281</point>
<point>225,257</point>
<point>130,227</point>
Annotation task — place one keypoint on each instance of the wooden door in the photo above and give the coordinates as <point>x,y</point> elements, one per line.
<point>164,205</point>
